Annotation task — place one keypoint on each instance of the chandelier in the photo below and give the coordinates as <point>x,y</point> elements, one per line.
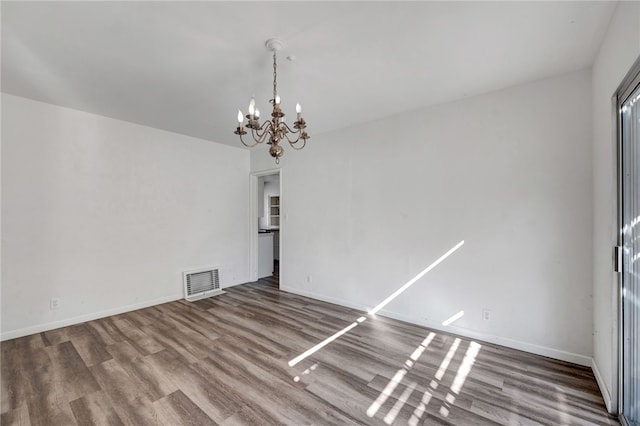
<point>275,130</point>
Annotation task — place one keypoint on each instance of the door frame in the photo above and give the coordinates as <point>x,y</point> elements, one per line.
<point>253,223</point>
<point>625,89</point>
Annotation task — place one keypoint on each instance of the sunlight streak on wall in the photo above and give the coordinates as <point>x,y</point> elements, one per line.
<point>453,318</point>
<point>399,291</point>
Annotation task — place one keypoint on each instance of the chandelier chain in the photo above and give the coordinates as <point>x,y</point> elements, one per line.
<point>275,74</point>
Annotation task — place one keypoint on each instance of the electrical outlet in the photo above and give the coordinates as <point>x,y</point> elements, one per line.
<point>54,303</point>
<point>486,315</point>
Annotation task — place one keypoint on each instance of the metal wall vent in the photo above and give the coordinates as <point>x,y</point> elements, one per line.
<point>201,283</point>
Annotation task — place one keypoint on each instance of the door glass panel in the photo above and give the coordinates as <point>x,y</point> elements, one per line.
<point>630,192</point>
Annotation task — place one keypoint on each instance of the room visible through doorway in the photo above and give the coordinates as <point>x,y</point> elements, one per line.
<point>266,225</point>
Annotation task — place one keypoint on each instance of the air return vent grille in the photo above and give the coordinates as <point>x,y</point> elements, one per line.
<point>201,283</point>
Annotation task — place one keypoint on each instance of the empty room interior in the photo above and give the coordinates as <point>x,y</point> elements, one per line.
<point>320,213</point>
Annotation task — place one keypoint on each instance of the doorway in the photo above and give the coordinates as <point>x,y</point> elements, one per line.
<point>628,259</point>
<point>266,225</point>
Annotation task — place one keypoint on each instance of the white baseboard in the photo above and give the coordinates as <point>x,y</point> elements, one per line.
<point>12,334</point>
<point>498,340</point>
<point>606,393</point>
<point>472,334</point>
<point>323,298</point>
<point>233,284</point>
<point>96,315</point>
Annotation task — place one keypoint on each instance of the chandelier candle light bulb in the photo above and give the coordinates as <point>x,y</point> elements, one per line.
<point>276,129</point>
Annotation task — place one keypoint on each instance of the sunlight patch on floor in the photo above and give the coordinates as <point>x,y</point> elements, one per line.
<point>324,343</point>
<point>461,375</point>
<point>305,372</point>
<point>393,413</point>
<point>420,409</point>
<point>465,367</point>
<point>426,397</point>
<point>397,378</point>
<point>447,359</point>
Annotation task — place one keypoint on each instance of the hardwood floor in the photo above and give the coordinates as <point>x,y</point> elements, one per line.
<point>225,360</point>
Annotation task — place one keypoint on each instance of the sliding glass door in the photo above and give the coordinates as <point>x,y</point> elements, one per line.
<point>629,192</point>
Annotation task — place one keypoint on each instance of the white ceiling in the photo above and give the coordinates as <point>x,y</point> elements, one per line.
<point>188,67</point>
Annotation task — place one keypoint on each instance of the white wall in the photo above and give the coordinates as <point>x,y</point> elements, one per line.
<point>106,214</point>
<point>369,207</point>
<point>619,50</point>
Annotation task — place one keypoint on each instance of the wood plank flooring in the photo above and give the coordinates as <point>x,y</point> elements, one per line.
<point>225,360</point>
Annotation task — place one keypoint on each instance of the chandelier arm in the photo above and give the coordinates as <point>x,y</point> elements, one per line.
<point>261,137</point>
<point>294,132</point>
<point>286,135</point>
<point>289,129</point>
<point>246,144</point>
<point>293,143</point>
<point>298,148</point>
